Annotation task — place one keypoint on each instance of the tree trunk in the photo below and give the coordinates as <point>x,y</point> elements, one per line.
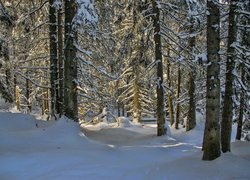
<point>191,116</point>
<point>60,62</point>
<point>8,75</point>
<point>177,116</point>
<point>118,110</point>
<point>169,94</point>
<point>227,114</point>
<point>161,115</point>
<point>45,108</point>
<point>53,57</point>
<point>127,110</point>
<point>17,98</point>
<point>191,119</point>
<point>136,99</point>
<point>17,95</point>
<point>70,65</point>
<point>245,76</point>
<point>212,127</point>
<point>241,110</point>
<point>123,110</point>
<point>28,91</point>
<point>118,102</point>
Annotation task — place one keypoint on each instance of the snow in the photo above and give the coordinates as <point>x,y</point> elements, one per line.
<point>57,4</point>
<point>124,122</point>
<point>36,149</point>
<point>86,13</point>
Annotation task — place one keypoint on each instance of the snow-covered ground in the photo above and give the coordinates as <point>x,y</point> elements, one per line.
<point>35,149</point>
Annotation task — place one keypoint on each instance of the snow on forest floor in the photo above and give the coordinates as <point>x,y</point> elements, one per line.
<point>35,149</point>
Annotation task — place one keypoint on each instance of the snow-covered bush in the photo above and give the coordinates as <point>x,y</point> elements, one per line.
<point>123,122</point>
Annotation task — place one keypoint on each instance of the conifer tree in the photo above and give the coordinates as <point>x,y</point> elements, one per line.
<point>227,114</point>
<point>53,57</point>
<point>211,145</point>
<point>161,115</point>
<point>70,63</point>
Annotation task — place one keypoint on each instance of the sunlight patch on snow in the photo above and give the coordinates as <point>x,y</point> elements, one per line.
<point>112,146</point>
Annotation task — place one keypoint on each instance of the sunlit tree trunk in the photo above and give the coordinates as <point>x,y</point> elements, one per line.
<point>161,114</point>
<point>17,98</point>
<point>60,61</point>
<point>45,101</point>
<point>53,57</point>
<point>128,112</point>
<point>70,65</point>
<point>136,101</point>
<point>211,145</point>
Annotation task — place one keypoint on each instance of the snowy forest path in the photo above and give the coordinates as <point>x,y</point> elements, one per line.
<point>116,136</point>
<point>141,137</point>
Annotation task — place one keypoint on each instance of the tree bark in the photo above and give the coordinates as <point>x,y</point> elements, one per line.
<point>191,116</point>
<point>191,119</point>
<point>227,114</point>
<point>53,57</point>
<point>28,91</point>
<point>161,115</point>
<point>60,62</point>
<point>212,128</point>
<point>169,94</point>
<point>177,116</point>
<point>136,100</point>
<point>241,110</point>
<point>245,77</point>
<point>70,65</point>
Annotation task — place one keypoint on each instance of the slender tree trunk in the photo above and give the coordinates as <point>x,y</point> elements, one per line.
<point>28,91</point>
<point>161,114</point>
<point>7,72</point>
<point>177,116</point>
<point>70,65</point>
<point>123,110</point>
<point>14,73</point>
<point>8,75</point>
<point>43,103</point>
<point>45,108</point>
<point>169,94</point>
<point>191,119</point>
<point>17,98</point>
<point>241,110</point>
<point>227,114</point>
<point>60,62</point>
<point>118,110</point>
<point>136,99</point>
<point>7,61</point>
<point>53,57</point>
<point>118,102</point>
<point>212,127</point>
<point>191,116</point>
<point>127,110</point>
